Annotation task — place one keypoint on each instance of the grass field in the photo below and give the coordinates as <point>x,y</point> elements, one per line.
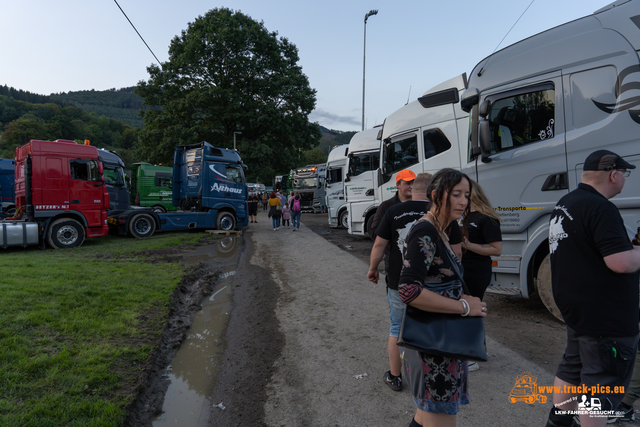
<point>75,325</point>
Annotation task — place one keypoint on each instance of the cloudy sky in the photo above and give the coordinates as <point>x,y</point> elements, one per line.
<point>70,45</point>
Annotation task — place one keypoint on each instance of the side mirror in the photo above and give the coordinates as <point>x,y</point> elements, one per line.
<point>484,136</point>
<point>470,97</point>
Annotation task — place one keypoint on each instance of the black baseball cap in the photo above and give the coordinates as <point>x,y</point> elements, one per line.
<point>605,160</point>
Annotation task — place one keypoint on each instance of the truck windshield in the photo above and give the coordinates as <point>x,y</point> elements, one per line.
<point>305,183</point>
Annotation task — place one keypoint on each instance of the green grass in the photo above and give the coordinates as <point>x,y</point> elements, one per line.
<point>76,324</point>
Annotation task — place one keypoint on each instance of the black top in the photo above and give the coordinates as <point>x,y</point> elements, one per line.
<point>481,229</point>
<point>427,265</point>
<point>396,224</point>
<point>584,228</point>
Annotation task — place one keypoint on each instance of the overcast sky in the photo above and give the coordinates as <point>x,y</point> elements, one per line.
<point>70,45</point>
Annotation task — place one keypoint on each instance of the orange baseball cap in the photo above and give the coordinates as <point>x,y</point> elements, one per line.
<point>405,175</point>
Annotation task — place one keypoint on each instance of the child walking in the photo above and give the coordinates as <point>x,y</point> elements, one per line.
<point>286,215</point>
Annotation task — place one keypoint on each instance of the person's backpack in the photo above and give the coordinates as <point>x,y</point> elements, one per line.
<point>296,205</point>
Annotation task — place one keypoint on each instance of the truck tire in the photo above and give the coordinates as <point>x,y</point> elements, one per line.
<point>142,225</point>
<point>225,221</point>
<point>10,212</point>
<point>343,219</point>
<point>65,233</point>
<point>158,209</point>
<point>369,223</point>
<point>543,285</point>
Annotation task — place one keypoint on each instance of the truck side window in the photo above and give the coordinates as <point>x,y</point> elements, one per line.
<point>522,117</point>
<point>400,153</point>
<point>435,142</point>
<point>234,174</point>
<point>335,175</point>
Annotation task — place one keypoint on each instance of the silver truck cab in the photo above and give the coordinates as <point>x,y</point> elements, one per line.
<point>538,108</point>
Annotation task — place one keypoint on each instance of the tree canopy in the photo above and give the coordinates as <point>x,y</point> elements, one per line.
<point>227,73</point>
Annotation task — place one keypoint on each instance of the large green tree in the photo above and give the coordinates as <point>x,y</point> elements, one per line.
<point>227,73</point>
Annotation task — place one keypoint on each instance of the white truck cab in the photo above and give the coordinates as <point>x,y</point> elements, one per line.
<point>538,108</point>
<point>334,186</point>
<point>361,183</point>
<point>425,135</point>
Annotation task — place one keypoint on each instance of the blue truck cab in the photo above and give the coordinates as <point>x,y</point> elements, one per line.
<point>209,189</point>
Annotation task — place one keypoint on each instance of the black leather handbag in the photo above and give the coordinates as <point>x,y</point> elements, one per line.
<point>444,334</point>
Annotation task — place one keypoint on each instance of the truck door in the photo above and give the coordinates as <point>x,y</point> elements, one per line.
<point>527,169</point>
<point>86,190</point>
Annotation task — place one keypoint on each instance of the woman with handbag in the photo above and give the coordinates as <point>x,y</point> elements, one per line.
<point>430,282</point>
<point>275,208</point>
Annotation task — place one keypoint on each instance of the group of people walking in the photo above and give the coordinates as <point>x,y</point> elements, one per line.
<point>439,233</point>
<point>283,211</point>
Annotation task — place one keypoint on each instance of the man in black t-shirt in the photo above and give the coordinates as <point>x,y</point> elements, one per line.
<point>594,276</point>
<point>252,203</point>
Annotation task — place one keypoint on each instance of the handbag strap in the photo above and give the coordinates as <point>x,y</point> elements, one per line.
<point>454,267</point>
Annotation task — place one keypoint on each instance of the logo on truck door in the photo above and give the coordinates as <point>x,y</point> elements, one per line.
<point>623,102</point>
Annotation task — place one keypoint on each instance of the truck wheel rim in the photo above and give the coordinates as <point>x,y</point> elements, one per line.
<point>142,226</point>
<point>226,223</point>
<point>67,235</point>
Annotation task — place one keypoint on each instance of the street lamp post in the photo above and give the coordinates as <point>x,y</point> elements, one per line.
<point>234,139</point>
<point>364,57</point>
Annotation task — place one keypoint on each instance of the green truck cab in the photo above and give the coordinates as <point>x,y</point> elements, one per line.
<point>151,187</point>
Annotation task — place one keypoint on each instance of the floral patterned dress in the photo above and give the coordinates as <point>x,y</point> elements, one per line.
<point>438,384</point>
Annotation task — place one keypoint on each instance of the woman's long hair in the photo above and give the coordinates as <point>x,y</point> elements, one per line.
<point>481,202</point>
<point>272,195</point>
<point>442,183</point>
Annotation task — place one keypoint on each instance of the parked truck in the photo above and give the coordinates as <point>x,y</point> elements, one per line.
<point>309,182</point>
<point>152,187</point>
<point>538,108</point>
<point>7,191</point>
<point>61,197</point>
<point>209,188</point>
<point>114,179</point>
<point>334,187</point>
<point>361,181</point>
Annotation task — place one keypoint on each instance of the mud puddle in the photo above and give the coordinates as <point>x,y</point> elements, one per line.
<point>194,369</point>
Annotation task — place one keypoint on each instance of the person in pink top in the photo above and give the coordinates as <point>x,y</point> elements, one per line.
<point>286,215</point>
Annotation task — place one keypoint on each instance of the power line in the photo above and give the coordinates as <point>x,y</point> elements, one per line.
<point>141,38</point>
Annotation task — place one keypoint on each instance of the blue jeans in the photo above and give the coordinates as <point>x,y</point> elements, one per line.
<point>396,311</point>
<point>276,221</point>
<point>295,219</point>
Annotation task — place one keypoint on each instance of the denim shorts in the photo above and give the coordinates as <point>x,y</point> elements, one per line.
<point>598,361</point>
<point>396,310</point>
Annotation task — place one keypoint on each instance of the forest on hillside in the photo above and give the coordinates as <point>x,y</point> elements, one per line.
<point>109,119</point>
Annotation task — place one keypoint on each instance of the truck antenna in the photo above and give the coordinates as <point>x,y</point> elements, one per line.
<point>408,96</point>
<point>505,36</point>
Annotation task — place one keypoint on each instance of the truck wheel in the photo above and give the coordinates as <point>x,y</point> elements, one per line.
<point>142,225</point>
<point>10,212</point>
<point>158,209</point>
<point>343,219</point>
<point>65,233</point>
<point>543,284</point>
<point>369,223</point>
<point>225,221</point>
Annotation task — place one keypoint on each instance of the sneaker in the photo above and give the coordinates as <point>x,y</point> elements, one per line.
<point>394,382</point>
<point>622,413</point>
<point>473,366</point>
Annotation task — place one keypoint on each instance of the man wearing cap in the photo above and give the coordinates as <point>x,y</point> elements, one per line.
<point>594,277</point>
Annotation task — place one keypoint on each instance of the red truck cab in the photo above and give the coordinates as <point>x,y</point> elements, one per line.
<point>60,185</point>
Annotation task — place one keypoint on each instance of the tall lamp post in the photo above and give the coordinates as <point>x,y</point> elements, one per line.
<point>234,139</point>
<point>364,57</point>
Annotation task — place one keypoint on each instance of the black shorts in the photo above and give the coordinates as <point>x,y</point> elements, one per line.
<point>253,212</point>
<point>599,366</point>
